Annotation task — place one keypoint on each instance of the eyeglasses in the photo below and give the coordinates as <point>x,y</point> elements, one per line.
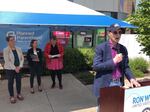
<point>117,32</point>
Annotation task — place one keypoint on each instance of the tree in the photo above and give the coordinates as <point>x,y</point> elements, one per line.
<point>141,18</point>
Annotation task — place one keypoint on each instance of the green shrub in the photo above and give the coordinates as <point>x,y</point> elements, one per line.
<point>137,73</point>
<point>88,54</point>
<point>138,66</point>
<point>78,59</point>
<point>74,60</point>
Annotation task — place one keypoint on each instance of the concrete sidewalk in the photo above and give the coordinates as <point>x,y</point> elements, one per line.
<point>75,97</point>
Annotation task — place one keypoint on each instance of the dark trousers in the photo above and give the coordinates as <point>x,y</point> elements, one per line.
<point>35,69</point>
<point>59,76</point>
<point>11,75</point>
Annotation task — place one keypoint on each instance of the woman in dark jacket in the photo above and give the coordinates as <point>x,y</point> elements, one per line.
<point>34,57</point>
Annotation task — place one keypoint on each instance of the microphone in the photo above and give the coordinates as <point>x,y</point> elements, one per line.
<point>118,49</point>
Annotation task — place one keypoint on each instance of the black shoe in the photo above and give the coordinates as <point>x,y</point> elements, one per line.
<point>53,85</point>
<point>32,92</point>
<point>20,97</point>
<point>40,89</point>
<point>12,100</point>
<point>60,86</point>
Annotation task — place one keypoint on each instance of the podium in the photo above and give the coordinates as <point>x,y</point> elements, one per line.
<point>118,99</point>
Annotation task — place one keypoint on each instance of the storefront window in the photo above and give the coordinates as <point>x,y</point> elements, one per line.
<point>64,37</point>
<point>84,39</point>
<point>70,41</point>
<point>100,36</point>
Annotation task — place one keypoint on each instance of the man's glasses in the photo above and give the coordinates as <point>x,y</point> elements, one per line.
<point>12,40</point>
<point>117,32</point>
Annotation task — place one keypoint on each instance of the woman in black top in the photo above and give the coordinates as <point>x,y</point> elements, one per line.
<point>34,57</point>
<point>54,53</point>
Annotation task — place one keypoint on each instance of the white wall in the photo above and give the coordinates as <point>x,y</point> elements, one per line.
<point>129,40</point>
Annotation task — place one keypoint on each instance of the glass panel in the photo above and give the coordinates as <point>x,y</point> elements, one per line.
<point>84,39</point>
<point>100,36</point>
<point>70,41</point>
<point>64,37</point>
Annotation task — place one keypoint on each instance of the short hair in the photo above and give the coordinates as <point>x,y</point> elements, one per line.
<point>32,41</point>
<point>8,38</point>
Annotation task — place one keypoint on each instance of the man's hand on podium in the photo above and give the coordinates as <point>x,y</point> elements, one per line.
<point>134,83</point>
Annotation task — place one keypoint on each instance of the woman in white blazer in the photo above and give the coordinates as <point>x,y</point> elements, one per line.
<point>14,60</point>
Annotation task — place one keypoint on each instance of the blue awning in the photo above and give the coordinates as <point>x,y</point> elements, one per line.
<point>53,13</point>
<point>21,18</point>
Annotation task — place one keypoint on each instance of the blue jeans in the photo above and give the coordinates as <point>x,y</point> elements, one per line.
<point>115,83</point>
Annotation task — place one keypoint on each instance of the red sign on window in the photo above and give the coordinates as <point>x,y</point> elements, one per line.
<point>61,34</point>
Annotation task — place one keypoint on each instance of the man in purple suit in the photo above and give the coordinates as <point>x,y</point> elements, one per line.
<point>111,63</point>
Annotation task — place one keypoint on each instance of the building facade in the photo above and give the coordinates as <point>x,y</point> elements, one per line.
<point>118,9</point>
